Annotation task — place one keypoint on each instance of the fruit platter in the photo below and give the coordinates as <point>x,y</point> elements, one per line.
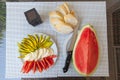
<point>38,52</point>
<point>56,39</point>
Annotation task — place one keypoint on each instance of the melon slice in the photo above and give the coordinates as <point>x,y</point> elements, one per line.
<point>86,51</point>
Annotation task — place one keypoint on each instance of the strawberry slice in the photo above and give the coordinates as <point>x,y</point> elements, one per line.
<point>34,67</point>
<point>29,67</point>
<point>38,64</point>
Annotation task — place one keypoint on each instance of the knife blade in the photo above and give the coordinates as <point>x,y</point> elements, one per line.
<point>70,49</point>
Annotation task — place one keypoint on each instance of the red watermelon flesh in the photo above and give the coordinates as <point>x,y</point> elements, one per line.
<point>86,51</point>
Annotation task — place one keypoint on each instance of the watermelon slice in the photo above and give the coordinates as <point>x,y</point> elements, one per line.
<point>40,68</point>
<point>34,67</point>
<point>86,51</point>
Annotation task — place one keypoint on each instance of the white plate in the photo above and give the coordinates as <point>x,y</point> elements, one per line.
<point>54,46</point>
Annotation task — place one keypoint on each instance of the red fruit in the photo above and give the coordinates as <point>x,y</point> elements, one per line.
<point>24,65</point>
<point>25,68</point>
<point>51,61</point>
<point>34,67</point>
<point>40,68</point>
<point>47,61</point>
<point>53,56</point>
<point>46,64</point>
<point>29,67</point>
<point>43,64</point>
<point>86,51</point>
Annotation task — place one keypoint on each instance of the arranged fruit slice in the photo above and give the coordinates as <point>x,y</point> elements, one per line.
<point>40,68</point>
<point>47,61</point>
<point>32,43</point>
<point>30,66</point>
<point>41,65</point>
<point>24,66</point>
<point>86,51</point>
<point>46,64</point>
<point>34,66</point>
<point>47,44</point>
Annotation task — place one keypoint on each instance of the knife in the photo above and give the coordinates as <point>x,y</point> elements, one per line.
<point>70,49</point>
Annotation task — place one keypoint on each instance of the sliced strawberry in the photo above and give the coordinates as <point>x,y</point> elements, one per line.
<point>40,68</point>
<point>29,67</point>
<point>34,67</point>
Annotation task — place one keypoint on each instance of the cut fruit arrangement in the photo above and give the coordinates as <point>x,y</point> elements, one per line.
<point>86,51</point>
<point>36,53</point>
<point>63,19</point>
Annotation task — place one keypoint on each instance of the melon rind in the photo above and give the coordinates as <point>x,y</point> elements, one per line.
<point>78,38</point>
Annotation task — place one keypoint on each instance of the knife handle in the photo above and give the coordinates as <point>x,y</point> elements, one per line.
<point>67,61</point>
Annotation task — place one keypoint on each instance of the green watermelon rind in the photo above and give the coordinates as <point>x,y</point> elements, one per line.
<point>79,34</point>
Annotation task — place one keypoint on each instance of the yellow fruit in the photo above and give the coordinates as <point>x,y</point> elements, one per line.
<point>33,40</point>
<point>33,43</point>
